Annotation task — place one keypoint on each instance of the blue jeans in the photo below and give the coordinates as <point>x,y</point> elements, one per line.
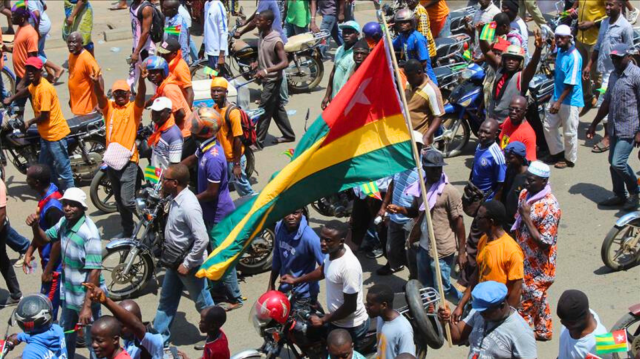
<point>19,102</point>
<point>229,285</point>
<point>17,242</point>
<point>357,333</point>
<point>68,321</point>
<point>446,29</point>
<point>193,50</point>
<point>41,42</point>
<point>242,184</point>
<point>170,295</point>
<point>427,272</point>
<point>621,172</point>
<point>330,24</point>
<point>291,29</point>
<point>55,153</point>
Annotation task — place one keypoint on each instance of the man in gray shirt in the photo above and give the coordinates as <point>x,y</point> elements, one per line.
<point>493,329</point>
<point>184,250</point>
<point>394,332</point>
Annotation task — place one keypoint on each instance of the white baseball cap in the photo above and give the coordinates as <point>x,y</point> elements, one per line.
<point>76,195</point>
<point>161,103</point>
<point>563,30</point>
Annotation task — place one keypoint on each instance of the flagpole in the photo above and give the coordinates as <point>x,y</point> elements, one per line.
<point>416,157</point>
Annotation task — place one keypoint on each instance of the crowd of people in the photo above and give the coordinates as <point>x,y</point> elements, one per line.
<point>506,259</point>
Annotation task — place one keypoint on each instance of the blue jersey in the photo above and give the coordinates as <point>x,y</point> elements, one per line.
<point>49,344</point>
<point>489,168</point>
<point>569,72</point>
<point>152,343</point>
<point>212,168</point>
<point>414,46</point>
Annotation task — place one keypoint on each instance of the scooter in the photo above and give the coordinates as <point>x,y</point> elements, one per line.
<point>621,247</point>
<point>630,322</point>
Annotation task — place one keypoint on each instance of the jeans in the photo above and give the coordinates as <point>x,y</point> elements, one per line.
<point>357,333</point>
<point>19,102</point>
<point>68,320</point>
<point>621,173</point>
<point>123,183</point>
<point>55,153</point>
<point>330,24</point>
<point>396,239</point>
<point>170,295</point>
<point>193,50</point>
<point>229,285</point>
<point>6,268</point>
<point>41,42</point>
<point>212,61</point>
<point>427,272</point>
<point>242,184</point>
<point>291,29</point>
<point>17,242</point>
<point>271,102</point>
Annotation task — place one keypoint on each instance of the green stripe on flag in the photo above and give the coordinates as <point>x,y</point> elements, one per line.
<point>209,71</point>
<point>489,31</point>
<point>151,174</point>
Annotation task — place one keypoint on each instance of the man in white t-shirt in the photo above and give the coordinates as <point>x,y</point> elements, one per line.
<point>483,15</point>
<point>580,325</point>
<point>394,333</point>
<point>343,274</point>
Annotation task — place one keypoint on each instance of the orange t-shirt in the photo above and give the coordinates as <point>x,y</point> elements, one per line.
<point>26,41</point>
<point>122,125</point>
<point>226,135</point>
<point>181,76</point>
<point>438,11</point>
<point>82,97</point>
<point>45,98</point>
<point>174,93</point>
<point>500,260</point>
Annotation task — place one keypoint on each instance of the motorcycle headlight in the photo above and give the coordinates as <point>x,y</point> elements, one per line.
<point>141,206</point>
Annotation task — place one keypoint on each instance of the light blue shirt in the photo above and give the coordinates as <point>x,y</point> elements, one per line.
<point>569,72</point>
<point>620,32</point>
<point>153,343</point>
<point>401,181</point>
<point>45,22</point>
<point>344,65</point>
<point>183,38</point>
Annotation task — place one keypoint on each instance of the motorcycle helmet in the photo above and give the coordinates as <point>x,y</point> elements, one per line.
<point>157,63</point>
<point>272,305</point>
<point>205,122</point>
<point>372,30</point>
<point>514,51</point>
<point>34,314</point>
<point>404,15</point>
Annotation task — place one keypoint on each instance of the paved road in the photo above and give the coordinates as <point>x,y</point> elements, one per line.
<point>583,227</point>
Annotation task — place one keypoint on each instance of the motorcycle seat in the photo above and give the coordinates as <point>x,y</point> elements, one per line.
<point>442,41</point>
<point>299,42</point>
<point>246,44</point>
<point>84,123</point>
<point>442,71</point>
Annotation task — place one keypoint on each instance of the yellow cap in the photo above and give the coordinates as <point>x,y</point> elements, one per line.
<point>219,82</point>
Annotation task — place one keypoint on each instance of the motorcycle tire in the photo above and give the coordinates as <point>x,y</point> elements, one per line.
<point>421,351</point>
<point>428,325</point>
<point>610,245</point>
<point>316,72</point>
<point>144,261</point>
<point>627,321</point>
<point>251,161</point>
<point>262,246</point>
<point>460,138</point>
<point>8,81</point>
<point>101,192</point>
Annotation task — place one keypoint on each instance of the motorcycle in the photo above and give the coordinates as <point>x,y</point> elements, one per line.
<point>298,336</point>
<point>630,323</point>
<point>85,143</point>
<point>336,205</point>
<point>448,77</point>
<point>449,50</point>
<point>621,247</point>
<point>459,19</point>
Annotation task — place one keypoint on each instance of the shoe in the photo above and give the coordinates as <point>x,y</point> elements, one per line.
<point>588,105</point>
<point>199,346</point>
<point>231,306</point>
<point>19,262</point>
<point>12,301</point>
<point>552,159</point>
<point>564,164</point>
<point>283,140</point>
<point>387,270</point>
<point>632,16</point>
<point>632,203</point>
<point>613,202</point>
<point>375,253</point>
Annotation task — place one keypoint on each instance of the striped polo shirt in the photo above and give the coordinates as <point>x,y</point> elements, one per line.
<point>81,252</point>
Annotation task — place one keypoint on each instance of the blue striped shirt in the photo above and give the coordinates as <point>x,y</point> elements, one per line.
<point>401,181</point>
<point>623,94</point>
<point>183,38</point>
<point>168,150</point>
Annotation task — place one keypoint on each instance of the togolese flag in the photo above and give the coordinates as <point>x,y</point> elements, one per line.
<point>615,342</point>
<point>361,136</point>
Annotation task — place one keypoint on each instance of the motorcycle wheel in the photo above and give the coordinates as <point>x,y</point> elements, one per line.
<point>421,351</point>
<point>614,253</point>
<point>124,286</point>
<point>257,259</point>
<point>251,161</point>
<point>101,193</point>
<point>453,143</point>
<point>631,324</point>
<point>309,77</point>
<point>427,324</point>
<point>8,82</point>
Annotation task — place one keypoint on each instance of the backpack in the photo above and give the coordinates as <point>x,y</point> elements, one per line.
<point>157,22</point>
<point>249,136</point>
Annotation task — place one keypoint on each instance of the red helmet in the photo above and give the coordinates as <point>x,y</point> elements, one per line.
<point>272,305</point>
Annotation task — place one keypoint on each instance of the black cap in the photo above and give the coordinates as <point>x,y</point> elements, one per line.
<point>169,45</point>
<point>432,158</point>
<point>573,305</point>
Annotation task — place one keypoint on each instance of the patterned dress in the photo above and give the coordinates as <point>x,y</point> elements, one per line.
<point>539,263</point>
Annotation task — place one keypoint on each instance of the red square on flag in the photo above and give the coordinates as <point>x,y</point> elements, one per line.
<point>620,336</point>
<point>592,356</point>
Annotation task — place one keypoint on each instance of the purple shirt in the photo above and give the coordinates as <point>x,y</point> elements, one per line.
<point>212,168</point>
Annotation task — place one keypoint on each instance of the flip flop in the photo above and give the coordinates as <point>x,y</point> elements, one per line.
<point>56,78</point>
<point>599,148</point>
<point>118,7</point>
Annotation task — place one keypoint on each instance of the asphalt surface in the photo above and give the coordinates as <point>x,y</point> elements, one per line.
<point>582,228</point>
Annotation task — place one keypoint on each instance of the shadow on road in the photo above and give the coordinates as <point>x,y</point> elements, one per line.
<point>590,191</point>
<point>189,334</point>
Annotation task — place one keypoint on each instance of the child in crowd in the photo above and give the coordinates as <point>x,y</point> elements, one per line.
<point>211,320</point>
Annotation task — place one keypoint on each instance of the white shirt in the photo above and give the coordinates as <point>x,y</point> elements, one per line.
<point>344,275</point>
<point>215,28</point>
<point>45,22</point>
<point>485,16</point>
<point>185,15</point>
<point>579,348</point>
<point>519,25</point>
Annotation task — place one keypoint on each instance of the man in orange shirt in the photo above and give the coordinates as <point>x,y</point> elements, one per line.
<point>439,18</point>
<point>82,97</point>
<point>122,119</point>
<point>499,258</point>
<point>52,126</point>
<point>25,45</point>
<point>157,71</point>
<point>230,137</point>
<point>179,72</point>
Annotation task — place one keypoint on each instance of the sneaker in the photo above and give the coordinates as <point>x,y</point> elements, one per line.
<point>387,270</point>
<point>375,253</point>
<point>631,203</point>
<point>199,346</point>
<point>614,201</point>
<point>632,16</point>
<point>19,262</point>
<point>12,301</point>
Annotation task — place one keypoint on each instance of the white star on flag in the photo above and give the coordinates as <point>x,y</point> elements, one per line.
<point>360,97</point>
<point>620,338</point>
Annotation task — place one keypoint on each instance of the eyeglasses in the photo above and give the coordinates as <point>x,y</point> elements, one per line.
<point>169,179</point>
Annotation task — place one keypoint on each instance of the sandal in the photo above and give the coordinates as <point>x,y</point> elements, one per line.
<point>600,147</point>
<point>119,7</point>
<point>564,164</point>
<point>56,78</point>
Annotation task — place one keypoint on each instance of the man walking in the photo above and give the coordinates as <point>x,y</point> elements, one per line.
<point>621,103</point>
<point>331,11</point>
<point>343,63</point>
<point>439,17</point>
<point>25,45</point>
<point>215,42</point>
<point>564,108</point>
<point>184,250</point>
<point>8,273</point>
<point>272,60</point>
<point>536,230</point>
<point>517,164</point>
<point>82,65</point>
<point>141,19</point>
